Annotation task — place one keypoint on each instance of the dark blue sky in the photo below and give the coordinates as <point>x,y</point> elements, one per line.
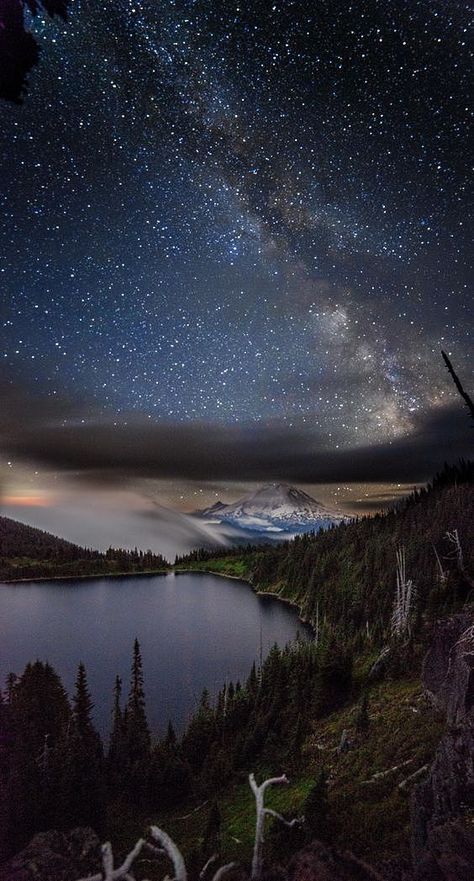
<point>243,214</point>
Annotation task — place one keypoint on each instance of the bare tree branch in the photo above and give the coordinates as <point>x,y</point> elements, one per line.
<point>453,537</point>
<point>296,821</point>
<point>223,869</point>
<point>172,852</point>
<point>211,860</point>
<point>261,812</point>
<point>457,382</point>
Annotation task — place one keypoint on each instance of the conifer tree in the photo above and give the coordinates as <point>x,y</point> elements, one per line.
<point>38,714</point>
<point>362,717</point>
<point>212,834</point>
<point>136,715</point>
<point>137,741</point>
<point>80,765</point>
<point>116,753</point>
<point>82,703</point>
<point>316,808</point>
<point>170,739</point>
<point>117,717</point>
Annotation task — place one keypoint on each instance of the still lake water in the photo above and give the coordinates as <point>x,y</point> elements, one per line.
<point>195,630</point>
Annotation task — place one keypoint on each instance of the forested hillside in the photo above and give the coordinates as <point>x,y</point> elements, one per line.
<point>344,578</point>
<point>27,552</point>
<point>355,735</point>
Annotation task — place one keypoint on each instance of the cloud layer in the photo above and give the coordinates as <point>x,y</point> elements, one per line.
<point>50,433</point>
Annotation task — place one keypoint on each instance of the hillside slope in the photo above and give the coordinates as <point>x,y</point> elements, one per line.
<point>27,553</point>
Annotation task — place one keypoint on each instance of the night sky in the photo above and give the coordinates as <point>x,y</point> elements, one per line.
<point>234,240</point>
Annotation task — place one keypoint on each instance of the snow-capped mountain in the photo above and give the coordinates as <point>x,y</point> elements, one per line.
<point>274,508</point>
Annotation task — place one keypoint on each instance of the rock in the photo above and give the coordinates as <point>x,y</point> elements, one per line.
<point>448,668</point>
<point>55,856</point>
<point>449,855</point>
<point>318,862</point>
<point>442,839</point>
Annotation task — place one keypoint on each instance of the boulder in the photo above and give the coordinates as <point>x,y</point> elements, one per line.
<point>318,862</point>
<point>449,853</point>
<point>442,837</point>
<point>448,667</point>
<point>55,856</point>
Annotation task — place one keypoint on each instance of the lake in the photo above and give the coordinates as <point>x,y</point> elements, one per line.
<point>195,630</point>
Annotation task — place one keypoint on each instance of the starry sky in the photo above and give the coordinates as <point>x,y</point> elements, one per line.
<point>234,240</point>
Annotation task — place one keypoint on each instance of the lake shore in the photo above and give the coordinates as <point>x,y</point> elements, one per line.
<point>170,571</point>
<point>72,577</point>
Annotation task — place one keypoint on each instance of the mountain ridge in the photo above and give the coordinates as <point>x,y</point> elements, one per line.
<point>274,508</point>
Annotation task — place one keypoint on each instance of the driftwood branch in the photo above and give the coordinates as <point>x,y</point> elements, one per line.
<point>172,851</point>
<point>211,860</point>
<point>223,869</point>
<point>381,774</point>
<point>166,845</point>
<point>122,872</point>
<point>411,779</point>
<point>296,821</point>
<point>261,813</point>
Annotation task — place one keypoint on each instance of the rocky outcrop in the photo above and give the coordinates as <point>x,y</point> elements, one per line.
<point>318,862</point>
<point>448,668</point>
<point>442,828</point>
<point>55,856</point>
<point>448,854</point>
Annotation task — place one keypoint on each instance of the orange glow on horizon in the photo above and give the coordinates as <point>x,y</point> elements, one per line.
<point>28,501</point>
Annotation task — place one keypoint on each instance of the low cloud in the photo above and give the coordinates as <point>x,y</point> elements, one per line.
<point>54,434</point>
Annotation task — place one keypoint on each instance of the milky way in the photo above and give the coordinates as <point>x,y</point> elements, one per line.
<point>241,213</point>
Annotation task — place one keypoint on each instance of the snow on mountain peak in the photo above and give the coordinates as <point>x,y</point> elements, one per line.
<point>275,507</point>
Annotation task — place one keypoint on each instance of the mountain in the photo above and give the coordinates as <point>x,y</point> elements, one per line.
<point>274,508</point>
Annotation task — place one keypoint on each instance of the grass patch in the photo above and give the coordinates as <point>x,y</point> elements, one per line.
<point>371,815</point>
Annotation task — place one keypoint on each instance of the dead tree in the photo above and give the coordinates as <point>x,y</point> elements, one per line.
<point>108,872</point>
<point>402,607</point>
<point>261,813</point>
<point>443,577</point>
<point>457,382</point>
<point>163,845</point>
<point>166,847</point>
<point>457,553</point>
<point>317,627</point>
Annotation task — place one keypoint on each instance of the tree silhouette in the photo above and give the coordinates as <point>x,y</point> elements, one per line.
<point>457,382</point>
<point>19,51</point>
<point>82,703</point>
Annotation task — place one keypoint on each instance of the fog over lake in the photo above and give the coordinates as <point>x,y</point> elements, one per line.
<point>90,522</point>
<point>196,631</point>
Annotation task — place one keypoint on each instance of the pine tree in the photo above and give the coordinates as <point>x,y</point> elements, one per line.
<point>38,714</point>
<point>362,721</point>
<point>136,714</point>
<point>170,739</point>
<point>316,808</point>
<point>117,717</point>
<point>137,740</point>
<point>11,682</point>
<point>82,703</point>
<point>116,753</point>
<point>79,764</point>
<point>212,835</point>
